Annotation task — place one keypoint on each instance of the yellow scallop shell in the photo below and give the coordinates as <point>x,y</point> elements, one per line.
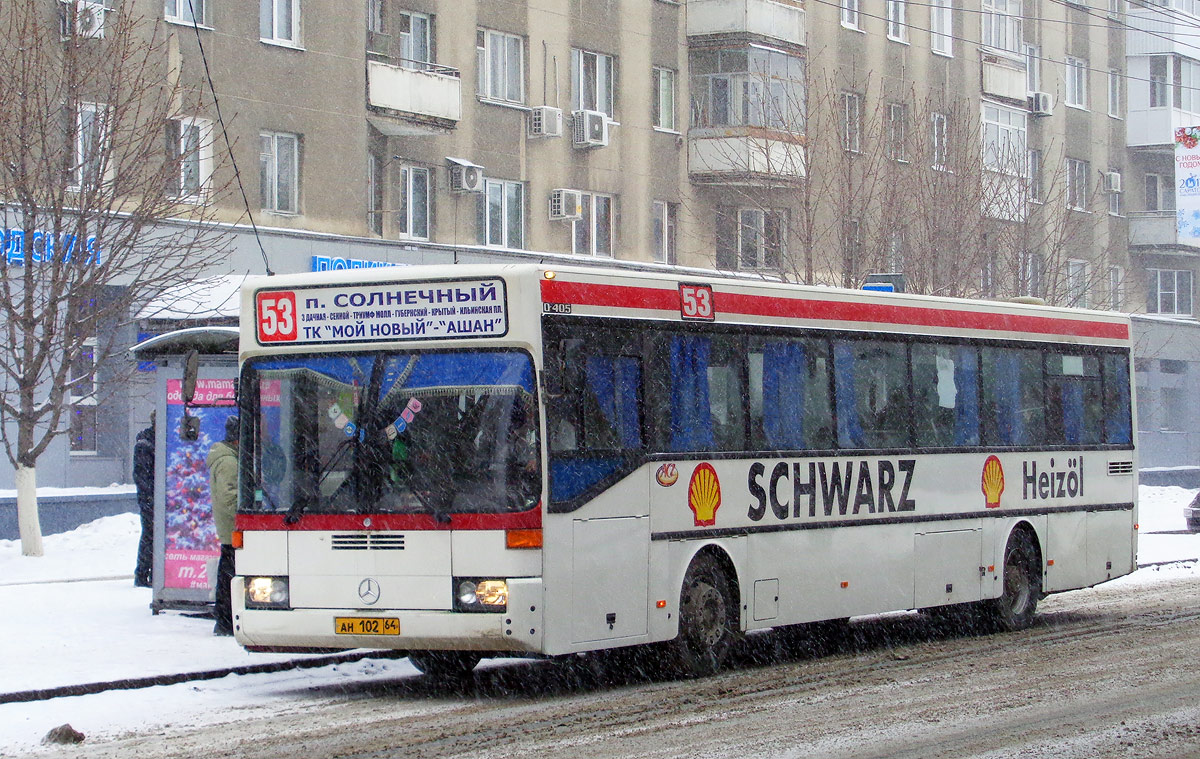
<point>704,494</point>
<point>992,481</point>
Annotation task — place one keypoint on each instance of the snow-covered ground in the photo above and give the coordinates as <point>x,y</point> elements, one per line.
<point>67,621</point>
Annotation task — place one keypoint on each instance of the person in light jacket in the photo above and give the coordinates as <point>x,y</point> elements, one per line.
<point>223,484</point>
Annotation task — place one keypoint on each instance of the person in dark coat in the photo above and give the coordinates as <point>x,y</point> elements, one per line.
<point>143,480</point>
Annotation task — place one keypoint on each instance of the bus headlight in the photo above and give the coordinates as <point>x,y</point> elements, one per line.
<point>267,593</point>
<point>480,595</point>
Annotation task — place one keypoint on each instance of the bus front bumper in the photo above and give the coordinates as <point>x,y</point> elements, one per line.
<point>518,629</point>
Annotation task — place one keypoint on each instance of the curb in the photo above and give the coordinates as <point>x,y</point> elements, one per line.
<point>88,689</point>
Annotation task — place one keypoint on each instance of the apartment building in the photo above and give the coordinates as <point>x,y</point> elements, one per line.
<point>977,148</point>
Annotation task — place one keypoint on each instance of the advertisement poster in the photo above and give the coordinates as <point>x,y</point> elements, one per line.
<point>191,536</point>
<point>1187,184</point>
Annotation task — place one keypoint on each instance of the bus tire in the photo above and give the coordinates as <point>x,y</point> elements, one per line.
<point>708,619</point>
<point>1022,579</point>
<point>444,665</point>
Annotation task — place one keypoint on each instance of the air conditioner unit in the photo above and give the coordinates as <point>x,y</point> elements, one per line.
<point>1041,103</point>
<point>1112,181</point>
<point>566,204</point>
<point>82,18</point>
<point>545,121</point>
<point>591,129</point>
<point>466,178</point>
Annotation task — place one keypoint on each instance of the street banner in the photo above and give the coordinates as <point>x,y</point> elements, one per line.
<point>1187,184</point>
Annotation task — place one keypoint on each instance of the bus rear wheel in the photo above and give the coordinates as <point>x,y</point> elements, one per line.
<point>444,665</point>
<point>708,619</point>
<point>1015,607</point>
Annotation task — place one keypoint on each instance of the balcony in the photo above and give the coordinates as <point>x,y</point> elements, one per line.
<point>1160,31</point>
<point>1003,77</point>
<point>745,155</point>
<point>1157,229</point>
<point>425,99</point>
<point>776,20</point>
<point>1146,127</point>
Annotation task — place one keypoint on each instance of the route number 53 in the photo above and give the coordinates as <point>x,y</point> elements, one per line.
<point>696,302</point>
<point>276,317</point>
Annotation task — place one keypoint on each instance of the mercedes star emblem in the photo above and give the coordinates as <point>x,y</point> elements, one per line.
<point>368,591</point>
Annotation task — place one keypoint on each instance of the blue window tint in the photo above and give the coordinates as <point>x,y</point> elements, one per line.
<point>1118,427</point>
<point>691,416</point>
<point>614,383</point>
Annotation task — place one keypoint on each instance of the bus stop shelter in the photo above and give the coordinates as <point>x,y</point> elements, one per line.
<point>186,548</point>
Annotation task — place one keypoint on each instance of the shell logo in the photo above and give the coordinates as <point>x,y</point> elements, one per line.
<point>704,495</point>
<point>992,481</point>
<point>667,475</point>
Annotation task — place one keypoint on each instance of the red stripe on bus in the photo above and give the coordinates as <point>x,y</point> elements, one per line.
<point>622,296</point>
<point>389,522</point>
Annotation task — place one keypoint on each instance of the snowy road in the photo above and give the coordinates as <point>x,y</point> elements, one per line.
<point>1108,672</point>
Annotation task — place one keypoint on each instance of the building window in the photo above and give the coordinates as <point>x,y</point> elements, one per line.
<point>666,217</point>
<point>748,86</point>
<point>89,127</point>
<point>1116,288</point>
<point>412,217</point>
<point>1076,82</point>
<point>938,148</point>
<point>1169,291</point>
<point>1160,94</point>
<point>1077,283</point>
<point>593,81</point>
<point>1078,176</point>
<point>1114,196</point>
<point>1033,68</point>
<point>500,215</point>
<point>82,398</point>
<point>987,278</point>
<point>1114,93</point>
<point>1004,139</point>
<point>413,33</point>
<point>189,143</point>
<point>1029,274</point>
<point>1034,176</point>
<point>897,132</point>
<point>664,98</point>
<point>185,12</point>
<point>278,21</point>
<point>500,64</point>
<point>897,20</point>
<point>850,13</point>
<point>374,16</point>
<point>851,108</point>
<point>375,186</point>
<point>941,26</point>
<point>761,238</point>
<point>1160,193</point>
<point>279,172</point>
<point>1001,25</point>
<point>593,234</point>
<point>893,254</point>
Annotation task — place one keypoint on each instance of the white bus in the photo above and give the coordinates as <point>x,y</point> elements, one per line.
<point>467,461</point>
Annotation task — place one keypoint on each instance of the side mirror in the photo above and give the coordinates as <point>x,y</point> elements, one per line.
<point>191,368</point>
<point>189,427</point>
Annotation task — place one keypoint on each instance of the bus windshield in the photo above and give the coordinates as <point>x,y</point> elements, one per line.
<point>412,433</point>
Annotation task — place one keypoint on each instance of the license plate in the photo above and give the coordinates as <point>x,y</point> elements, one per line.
<point>366,625</point>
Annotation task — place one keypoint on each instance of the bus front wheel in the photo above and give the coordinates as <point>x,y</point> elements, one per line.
<point>1015,607</point>
<point>708,619</point>
<point>444,665</point>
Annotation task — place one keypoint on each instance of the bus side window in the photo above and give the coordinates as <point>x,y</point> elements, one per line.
<point>789,394</point>
<point>707,399</point>
<point>1013,409</point>
<point>1118,427</point>
<point>1074,404</point>
<point>872,393</point>
<point>945,395</point>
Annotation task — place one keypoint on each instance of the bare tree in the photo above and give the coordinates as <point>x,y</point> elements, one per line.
<point>103,168</point>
